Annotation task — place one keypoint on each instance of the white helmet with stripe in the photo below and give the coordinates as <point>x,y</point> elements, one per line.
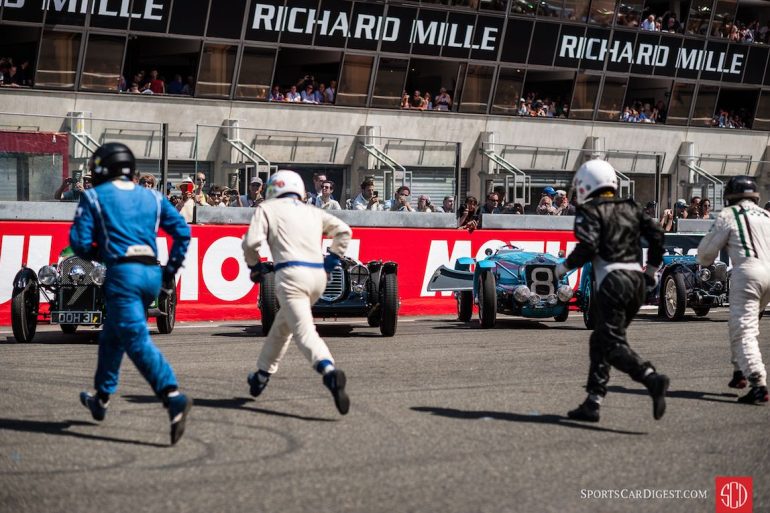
<point>592,176</point>
<point>284,182</point>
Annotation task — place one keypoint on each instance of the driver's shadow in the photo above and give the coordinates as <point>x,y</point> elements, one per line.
<point>713,397</point>
<point>63,429</point>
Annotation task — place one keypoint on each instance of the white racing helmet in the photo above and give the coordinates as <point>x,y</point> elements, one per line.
<point>592,176</point>
<point>283,182</point>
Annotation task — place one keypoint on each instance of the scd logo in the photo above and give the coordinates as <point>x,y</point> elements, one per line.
<point>734,495</point>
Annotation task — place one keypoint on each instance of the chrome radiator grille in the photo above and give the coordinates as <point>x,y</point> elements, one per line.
<point>335,286</point>
<point>69,263</point>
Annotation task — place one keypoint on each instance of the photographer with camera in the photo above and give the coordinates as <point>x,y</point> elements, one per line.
<point>400,203</point>
<point>424,205</point>
<point>216,196</point>
<point>72,188</point>
<point>368,199</point>
<point>468,214</point>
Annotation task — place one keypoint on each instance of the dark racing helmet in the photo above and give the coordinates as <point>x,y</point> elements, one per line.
<point>110,161</point>
<point>741,187</point>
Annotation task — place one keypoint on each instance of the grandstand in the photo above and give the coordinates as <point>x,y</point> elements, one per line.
<point>520,93</point>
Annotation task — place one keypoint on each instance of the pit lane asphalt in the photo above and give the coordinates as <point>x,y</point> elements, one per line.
<point>445,418</point>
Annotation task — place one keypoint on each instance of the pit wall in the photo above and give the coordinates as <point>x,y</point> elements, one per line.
<point>214,283</point>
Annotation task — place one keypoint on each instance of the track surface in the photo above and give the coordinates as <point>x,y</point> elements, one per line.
<point>445,417</point>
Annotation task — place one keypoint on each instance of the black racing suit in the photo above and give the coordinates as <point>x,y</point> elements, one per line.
<point>609,232</point>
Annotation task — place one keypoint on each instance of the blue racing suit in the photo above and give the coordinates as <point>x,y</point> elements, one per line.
<point>117,223</point>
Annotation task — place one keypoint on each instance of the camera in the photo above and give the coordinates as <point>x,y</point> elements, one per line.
<point>69,181</point>
<point>375,194</point>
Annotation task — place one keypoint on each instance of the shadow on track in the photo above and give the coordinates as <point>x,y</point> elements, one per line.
<point>236,403</point>
<point>510,323</point>
<point>557,420</point>
<point>90,337</point>
<point>679,394</point>
<point>61,428</point>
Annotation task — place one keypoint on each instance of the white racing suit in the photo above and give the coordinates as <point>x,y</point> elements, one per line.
<point>744,229</point>
<point>293,231</point>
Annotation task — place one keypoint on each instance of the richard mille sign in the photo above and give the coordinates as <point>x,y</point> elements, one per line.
<point>152,9</point>
<point>597,49</point>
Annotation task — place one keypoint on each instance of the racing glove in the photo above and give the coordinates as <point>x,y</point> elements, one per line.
<point>168,280</point>
<point>651,277</point>
<point>561,270</point>
<point>331,261</point>
<point>257,271</point>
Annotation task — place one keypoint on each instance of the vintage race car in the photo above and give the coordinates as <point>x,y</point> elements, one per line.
<point>509,281</point>
<point>73,289</point>
<point>683,283</point>
<point>354,290</point>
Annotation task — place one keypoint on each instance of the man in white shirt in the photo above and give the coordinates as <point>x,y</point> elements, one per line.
<point>368,199</point>
<point>325,200</point>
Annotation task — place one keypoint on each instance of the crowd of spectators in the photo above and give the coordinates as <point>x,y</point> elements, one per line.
<point>306,90</point>
<point>728,119</point>
<point>533,106</point>
<point>738,32</point>
<point>639,112</point>
<point>15,73</point>
<point>418,101</point>
<point>155,83</point>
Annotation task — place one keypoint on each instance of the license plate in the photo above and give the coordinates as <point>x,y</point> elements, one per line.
<point>76,317</point>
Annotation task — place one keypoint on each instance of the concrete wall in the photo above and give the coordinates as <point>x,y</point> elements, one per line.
<point>183,114</point>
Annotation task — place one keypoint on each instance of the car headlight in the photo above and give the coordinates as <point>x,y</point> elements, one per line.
<point>564,293</point>
<point>47,275</point>
<point>521,293</point>
<point>98,273</point>
<point>551,300</point>
<point>358,276</point>
<point>704,274</point>
<point>534,299</point>
<point>77,274</point>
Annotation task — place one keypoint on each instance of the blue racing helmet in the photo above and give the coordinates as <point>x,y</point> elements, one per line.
<point>549,191</point>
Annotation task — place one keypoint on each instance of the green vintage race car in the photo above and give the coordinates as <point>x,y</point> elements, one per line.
<point>73,289</point>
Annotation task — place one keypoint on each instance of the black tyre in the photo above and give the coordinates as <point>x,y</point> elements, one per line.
<point>673,297</point>
<point>167,306</point>
<point>562,316</point>
<point>465,305</point>
<point>24,308</point>
<point>487,300</point>
<point>375,317</point>
<point>587,306</point>
<point>389,305</point>
<point>69,329</point>
<point>702,311</point>
<point>268,303</point>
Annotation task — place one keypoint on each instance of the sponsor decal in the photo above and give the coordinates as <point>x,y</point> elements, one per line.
<point>734,494</point>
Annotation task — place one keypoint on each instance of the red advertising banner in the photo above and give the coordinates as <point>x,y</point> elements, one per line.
<point>214,283</point>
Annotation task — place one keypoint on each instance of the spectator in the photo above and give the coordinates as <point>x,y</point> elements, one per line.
<point>186,205</point>
<point>416,101</point>
<point>216,196</point>
<point>308,95</point>
<point>175,199</point>
<point>276,95</point>
<point>545,207</point>
<point>523,109</point>
<point>491,205</point>
<point>405,100</point>
<point>693,211</point>
<point>318,180</point>
<point>649,209</point>
<point>176,85</point>
<point>649,23</point>
<point>25,72</point>
<point>155,84</point>
<point>562,205</point>
<point>443,102</point>
<point>368,199</point>
<point>200,195</point>
<point>767,206</point>
<point>147,180</point>
<point>468,214</point>
<point>134,88</point>
<point>400,202</point>
<point>518,209</point>
<point>254,195</point>
<point>293,95</point>
<point>325,200</point>
<point>448,205</point>
<point>74,188</point>
<point>705,209</point>
<point>322,93</point>
<point>424,205</point>
<point>548,191</point>
<point>427,101</point>
<point>331,92</point>
<point>670,216</point>
<point>189,86</point>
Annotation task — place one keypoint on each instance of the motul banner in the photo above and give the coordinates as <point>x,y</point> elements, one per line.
<point>214,283</point>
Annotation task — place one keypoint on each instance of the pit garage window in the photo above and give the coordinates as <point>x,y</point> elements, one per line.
<point>735,108</point>
<point>723,23</point>
<point>750,11</point>
<point>295,64</point>
<point>476,89</point>
<point>354,80</point>
<point>255,74</point>
<point>705,103</point>
<point>602,12</point>
<point>101,70</point>
<point>429,75</point>
<point>611,103</point>
<point>20,45</point>
<point>762,119</point>
<point>389,84</point>
<point>552,88</point>
<point>700,14</point>
<point>216,74</point>
<point>584,99</point>
<point>648,98</point>
<point>168,56</point>
<point>629,14</point>
<point>680,103</point>
<point>509,92</point>
<point>58,60</point>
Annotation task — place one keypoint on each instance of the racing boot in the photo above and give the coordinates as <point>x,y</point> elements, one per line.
<point>738,381</point>
<point>335,381</point>
<point>756,395</point>
<point>588,411</point>
<point>179,406</point>
<point>657,385</point>
<point>257,382</point>
<point>95,404</point>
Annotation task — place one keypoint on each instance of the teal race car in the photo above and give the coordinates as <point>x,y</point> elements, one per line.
<point>508,281</point>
